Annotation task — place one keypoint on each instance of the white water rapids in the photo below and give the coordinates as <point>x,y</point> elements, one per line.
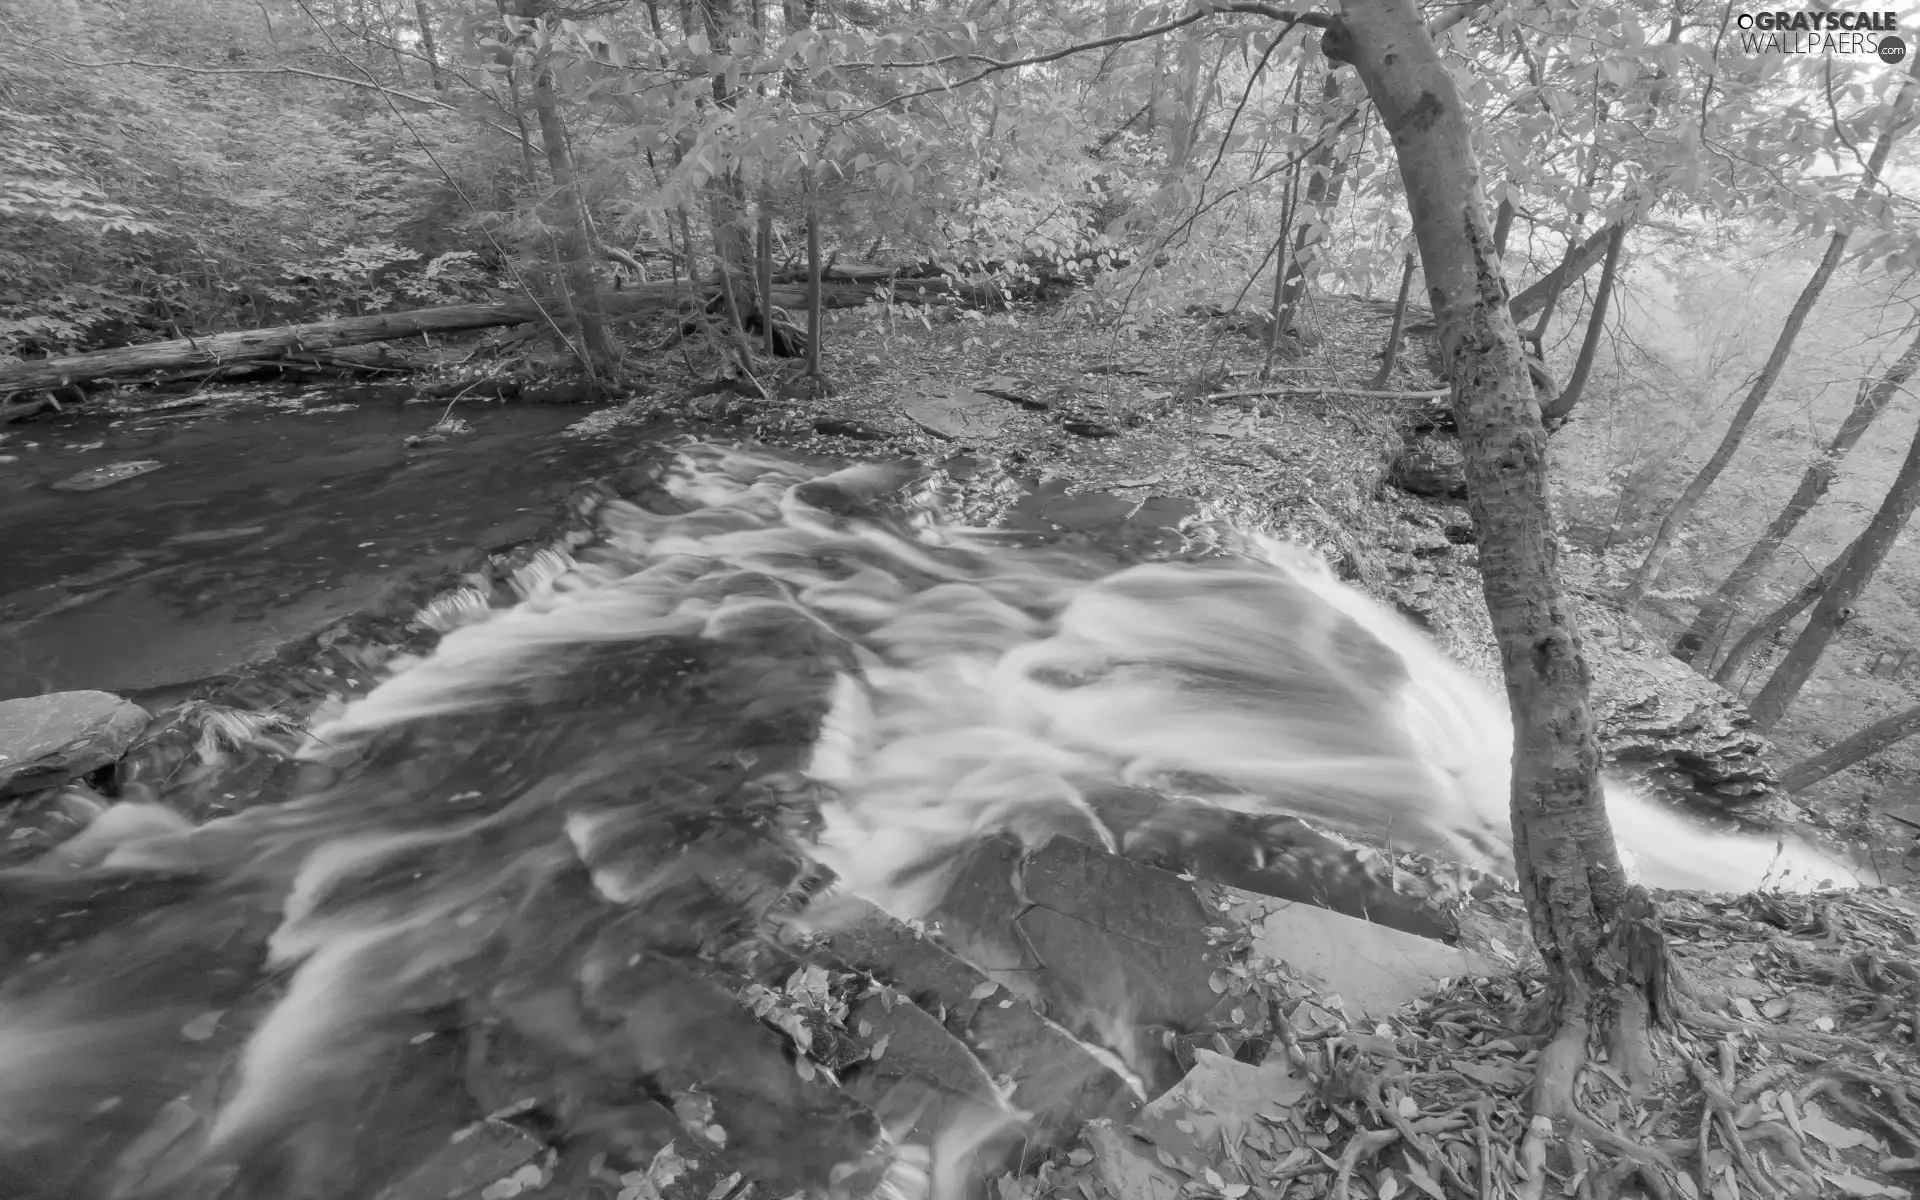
<point>965,686</point>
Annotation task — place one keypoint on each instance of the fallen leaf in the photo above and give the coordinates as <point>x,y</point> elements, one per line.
<point>984,990</point>
<point>1388,1186</point>
<point>1860,1185</point>
<point>1687,1185</point>
<point>1776,1008</point>
<point>1840,1137</point>
<point>201,1027</point>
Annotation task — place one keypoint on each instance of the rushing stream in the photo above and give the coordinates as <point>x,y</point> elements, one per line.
<point>573,822</point>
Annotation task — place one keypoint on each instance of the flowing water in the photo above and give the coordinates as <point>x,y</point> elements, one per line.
<point>572,824</point>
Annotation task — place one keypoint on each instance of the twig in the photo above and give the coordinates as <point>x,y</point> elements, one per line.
<point>1438,394</point>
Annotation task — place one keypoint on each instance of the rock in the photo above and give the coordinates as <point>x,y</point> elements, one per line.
<point>1682,735</point>
<point>94,478</point>
<point>1217,1102</point>
<point>474,1159</point>
<point>1053,1075</point>
<point>1281,857</point>
<point>1125,1169</point>
<point>1113,949</point>
<point>1430,465</point>
<point>1373,969</point>
<point>47,740</point>
<point>957,413</point>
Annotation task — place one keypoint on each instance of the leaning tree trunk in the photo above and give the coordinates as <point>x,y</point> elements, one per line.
<point>1861,746</point>
<point>1818,477</point>
<point>1564,851</point>
<point>1836,606</point>
<point>1696,489</point>
<point>1777,620</point>
<point>1561,407</point>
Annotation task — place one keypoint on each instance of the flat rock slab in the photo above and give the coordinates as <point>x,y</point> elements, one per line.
<point>94,478</point>
<point>1098,941</point>
<point>481,1161</point>
<point>47,740</point>
<point>958,413</point>
<point>1371,968</point>
<point>1052,1075</point>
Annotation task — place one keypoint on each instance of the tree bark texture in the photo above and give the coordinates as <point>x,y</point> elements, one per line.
<point>1835,606</point>
<point>1858,748</point>
<point>1814,482</point>
<point>1564,851</point>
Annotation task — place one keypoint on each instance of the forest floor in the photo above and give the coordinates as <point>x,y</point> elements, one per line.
<point>1795,1070</point>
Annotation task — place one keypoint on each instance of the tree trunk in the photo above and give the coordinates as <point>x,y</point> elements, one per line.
<point>1835,607</point>
<point>763,271</point>
<point>1576,264</point>
<point>1391,354</point>
<point>1696,489</point>
<point>1564,851</point>
<point>427,48</point>
<point>1863,745</point>
<point>1561,407</point>
<point>1818,477</point>
<point>598,355</point>
<point>1502,226</point>
<point>815,317</point>
<point>1326,179</point>
<point>1778,619</point>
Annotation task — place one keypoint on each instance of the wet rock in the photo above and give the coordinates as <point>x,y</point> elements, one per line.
<point>957,413</point>
<point>94,478</point>
<point>473,1160</point>
<point>1373,969</point>
<point>1280,857</point>
<point>1126,1167</point>
<point>1682,735</point>
<point>1216,1100</point>
<point>1040,1067</point>
<point>47,740</point>
<point>1105,946</point>
<point>1430,465</point>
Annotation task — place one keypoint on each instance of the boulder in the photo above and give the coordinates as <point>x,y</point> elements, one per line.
<point>1682,735</point>
<point>1432,465</point>
<point>1037,1066</point>
<point>48,740</point>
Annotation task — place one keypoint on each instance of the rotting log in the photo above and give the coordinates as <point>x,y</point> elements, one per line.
<point>284,340</point>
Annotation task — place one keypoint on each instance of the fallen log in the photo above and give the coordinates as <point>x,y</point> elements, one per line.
<point>282,341</point>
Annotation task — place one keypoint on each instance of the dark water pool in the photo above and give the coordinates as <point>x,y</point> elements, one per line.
<point>264,523</point>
